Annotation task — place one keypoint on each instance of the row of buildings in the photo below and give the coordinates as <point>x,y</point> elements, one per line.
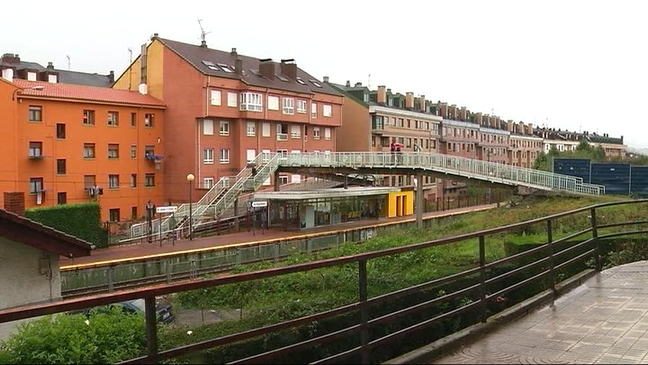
<point>182,108</point>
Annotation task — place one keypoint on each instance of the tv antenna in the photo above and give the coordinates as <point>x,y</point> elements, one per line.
<point>130,52</point>
<point>68,59</point>
<point>369,81</point>
<point>202,31</point>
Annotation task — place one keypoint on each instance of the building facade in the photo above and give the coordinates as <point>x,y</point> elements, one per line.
<point>73,143</point>
<point>565,141</point>
<point>224,108</point>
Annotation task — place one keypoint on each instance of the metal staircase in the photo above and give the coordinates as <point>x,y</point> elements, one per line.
<point>446,164</point>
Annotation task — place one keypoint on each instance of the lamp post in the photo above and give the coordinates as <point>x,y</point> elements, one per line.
<point>190,179</point>
<point>37,88</point>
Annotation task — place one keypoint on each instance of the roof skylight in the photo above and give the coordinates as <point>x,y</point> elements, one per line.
<point>316,83</point>
<point>299,80</point>
<point>226,68</point>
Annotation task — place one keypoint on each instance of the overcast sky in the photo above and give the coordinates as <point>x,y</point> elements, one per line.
<point>571,64</point>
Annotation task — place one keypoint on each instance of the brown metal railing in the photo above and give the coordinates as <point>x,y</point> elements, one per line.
<point>483,285</point>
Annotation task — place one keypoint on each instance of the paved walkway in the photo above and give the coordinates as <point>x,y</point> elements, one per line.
<point>134,251</point>
<point>603,321</point>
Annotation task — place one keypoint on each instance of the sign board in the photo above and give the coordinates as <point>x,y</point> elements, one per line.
<point>260,204</point>
<point>169,209</point>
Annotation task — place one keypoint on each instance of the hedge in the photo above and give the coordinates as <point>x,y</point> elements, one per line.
<point>79,220</point>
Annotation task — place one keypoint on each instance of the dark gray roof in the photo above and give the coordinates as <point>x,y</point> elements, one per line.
<point>195,55</point>
<point>346,91</point>
<point>83,78</point>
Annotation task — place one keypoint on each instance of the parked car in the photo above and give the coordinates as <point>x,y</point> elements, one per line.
<point>136,306</point>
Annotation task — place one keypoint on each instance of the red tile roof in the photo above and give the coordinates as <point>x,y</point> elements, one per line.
<point>86,93</point>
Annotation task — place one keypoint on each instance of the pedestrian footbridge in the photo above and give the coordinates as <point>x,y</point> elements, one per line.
<point>226,192</point>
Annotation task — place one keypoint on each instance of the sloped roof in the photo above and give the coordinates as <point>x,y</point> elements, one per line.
<point>86,93</point>
<point>345,90</point>
<point>65,76</point>
<point>195,55</point>
<point>23,230</point>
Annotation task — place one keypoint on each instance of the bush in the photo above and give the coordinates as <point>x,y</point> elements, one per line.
<point>79,220</point>
<point>104,338</point>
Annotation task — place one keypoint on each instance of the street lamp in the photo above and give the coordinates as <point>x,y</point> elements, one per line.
<point>37,87</point>
<point>190,179</point>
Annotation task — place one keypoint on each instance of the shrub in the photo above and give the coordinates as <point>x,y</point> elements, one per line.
<point>79,220</point>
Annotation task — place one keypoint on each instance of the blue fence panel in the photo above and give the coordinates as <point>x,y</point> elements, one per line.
<point>579,167</point>
<point>639,180</point>
<point>614,176</point>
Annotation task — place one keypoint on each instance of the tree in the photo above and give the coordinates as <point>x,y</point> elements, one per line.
<point>102,338</point>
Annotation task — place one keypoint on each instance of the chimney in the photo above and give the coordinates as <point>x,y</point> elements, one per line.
<point>381,97</point>
<point>10,58</point>
<point>522,128</point>
<point>155,35</point>
<point>463,114</point>
<point>14,202</point>
<point>529,129</point>
<point>7,74</point>
<point>452,112</point>
<point>234,53</point>
<point>203,44</point>
<point>289,68</point>
<point>111,76</point>
<point>326,79</point>
<point>478,118</point>
<point>409,100</point>
<point>358,84</point>
<point>443,109</point>
<point>509,126</point>
<point>486,120</point>
<point>50,66</point>
<point>422,104</point>
<point>348,83</point>
<point>267,68</point>
<point>238,65</point>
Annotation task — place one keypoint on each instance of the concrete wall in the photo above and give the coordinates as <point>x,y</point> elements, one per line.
<point>21,281</point>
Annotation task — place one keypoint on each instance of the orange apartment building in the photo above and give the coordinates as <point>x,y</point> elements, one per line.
<point>73,143</point>
<point>224,108</point>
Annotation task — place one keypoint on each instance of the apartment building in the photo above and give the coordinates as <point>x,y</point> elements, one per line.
<point>372,120</point>
<point>224,108</point>
<point>70,143</point>
<point>524,145</point>
<point>565,141</point>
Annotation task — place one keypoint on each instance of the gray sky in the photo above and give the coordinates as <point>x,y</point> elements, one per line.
<point>572,64</point>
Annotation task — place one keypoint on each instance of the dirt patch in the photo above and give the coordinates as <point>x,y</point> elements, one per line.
<point>197,317</point>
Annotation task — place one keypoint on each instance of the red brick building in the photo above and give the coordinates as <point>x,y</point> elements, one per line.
<point>224,108</point>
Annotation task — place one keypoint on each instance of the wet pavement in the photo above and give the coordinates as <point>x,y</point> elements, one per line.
<point>603,321</point>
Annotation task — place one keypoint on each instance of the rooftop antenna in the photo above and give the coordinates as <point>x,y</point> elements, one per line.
<point>130,73</point>
<point>369,81</point>
<point>130,52</point>
<point>68,58</point>
<point>202,32</point>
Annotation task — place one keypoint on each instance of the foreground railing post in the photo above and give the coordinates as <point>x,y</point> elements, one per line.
<point>482,278</point>
<point>364,311</point>
<point>550,247</point>
<point>597,253</point>
<point>151,330</point>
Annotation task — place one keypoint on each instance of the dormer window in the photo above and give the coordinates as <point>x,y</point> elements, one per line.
<point>52,78</point>
<point>32,76</point>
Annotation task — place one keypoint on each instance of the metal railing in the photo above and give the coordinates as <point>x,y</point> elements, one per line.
<point>490,278</point>
<point>452,165</point>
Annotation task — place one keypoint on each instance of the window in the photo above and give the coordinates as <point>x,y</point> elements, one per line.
<point>133,180</point>
<point>113,215</point>
<point>313,110</point>
<point>88,150</point>
<point>295,131</point>
<point>208,155</point>
<point>282,132</point>
<point>215,97</point>
<point>224,156</point>
<point>113,118</point>
<point>60,130</point>
<point>35,185</point>
<point>273,102</point>
<point>35,149</point>
<point>52,78</point>
<point>89,181</point>
<point>113,150</point>
<point>149,152</point>
<point>301,106</point>
<point>232,99</point>
<point>327,134</point>
<point>283,179</point>
<point>316,132</point>
<point>224,128</point>
<point>35,113</point>
<point>252,102</point>
<point>266,130</point>
<point>326,111</point>
<point>133,119</point>
<point>133,153</point>
<point>149,120</point>
<point>288,106</point>
<point>61,198</point>
<point>149,180</point>
<point>251,129</point>
<point>88,117</point>
<point>316,83</point>
<point>61,166</point>
<point>31,76</point>
<point>208,127</point>
<point>134,213</point>
<point>113,181</point>
<point>208,182</point>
